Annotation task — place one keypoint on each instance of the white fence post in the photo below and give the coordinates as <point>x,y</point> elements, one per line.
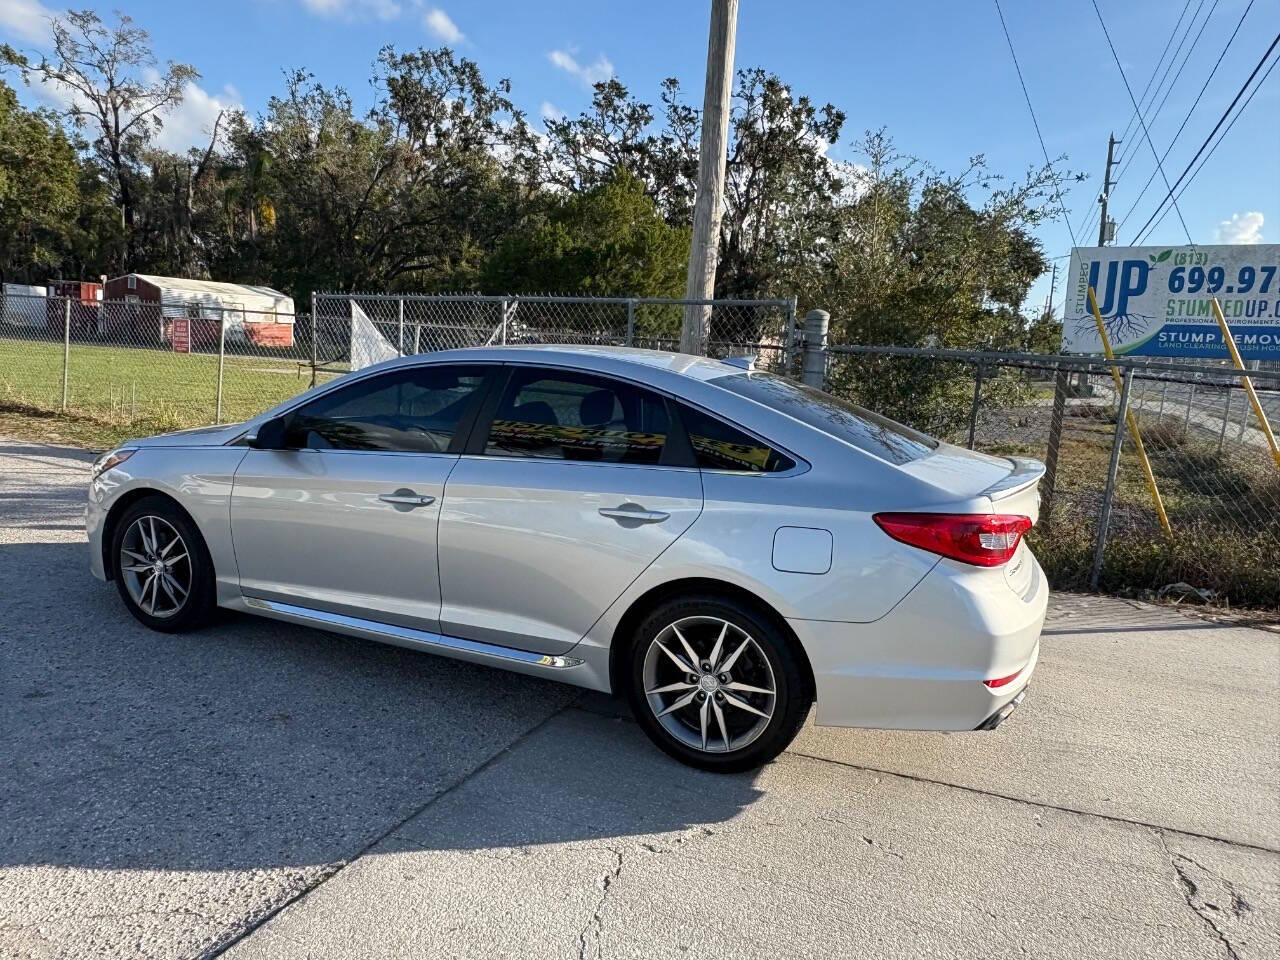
<point>816,324</point>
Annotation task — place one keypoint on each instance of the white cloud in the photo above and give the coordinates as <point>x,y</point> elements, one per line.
<point>588,74</point>
<point>354,9</point>
<point>549,111</point>
<point>27,20</point>
<point>1241,228</point>
<point>442,26</point>
<point>191,123</point>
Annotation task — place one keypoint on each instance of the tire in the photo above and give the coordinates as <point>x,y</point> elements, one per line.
<point>758,724</point>
<point>183,598</point>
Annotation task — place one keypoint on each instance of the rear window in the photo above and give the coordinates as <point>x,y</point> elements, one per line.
<point>863,429</point>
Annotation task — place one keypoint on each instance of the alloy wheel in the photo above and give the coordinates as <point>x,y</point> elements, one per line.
<point>709,683</point>
<point>155,565</point>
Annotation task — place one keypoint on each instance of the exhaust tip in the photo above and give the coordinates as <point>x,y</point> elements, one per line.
<point>1001,715</point>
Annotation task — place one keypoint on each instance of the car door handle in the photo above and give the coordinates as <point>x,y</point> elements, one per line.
<point>406,498</point>
<point>634,513</point>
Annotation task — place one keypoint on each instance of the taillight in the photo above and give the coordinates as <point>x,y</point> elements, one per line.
<point>983,539</point>
<point>1001,681</point>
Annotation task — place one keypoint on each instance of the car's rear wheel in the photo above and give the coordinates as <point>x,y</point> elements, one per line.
<point>162,567</point>
<point>715,684</point>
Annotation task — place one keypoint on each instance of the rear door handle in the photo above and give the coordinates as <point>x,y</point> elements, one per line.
<point>634,513</point>
<point>406,498</point>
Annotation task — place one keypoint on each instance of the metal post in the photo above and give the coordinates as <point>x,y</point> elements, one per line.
<point>66,350</point>
<point>1226,412</point>
<point>1186,420</point>
<point>1061,381</point>
<point>315,337</point>
<point>1244,423</point>
<point>816,324</point>
<point>1164,392</point>
<point>789,353</point>
<point>1113,466</point>
<point>977,399</point>
<point>631,322</point>
<point>222,357</point>
<point>400,303</point>
<point>504,323</point>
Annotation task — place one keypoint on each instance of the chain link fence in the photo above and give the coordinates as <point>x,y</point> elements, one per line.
<point>408,324</point>
<point>148,367</point>
<point>1100,526</point>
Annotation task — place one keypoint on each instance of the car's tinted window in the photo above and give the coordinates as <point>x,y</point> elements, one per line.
<point>719,446</point>
<point>568,416</point>
<point>415,411</point>
<point>865,430</point>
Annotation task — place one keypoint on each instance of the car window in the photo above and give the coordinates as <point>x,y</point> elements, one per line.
<point>414,411</point>
<point>860,427</point>
<point>719,446</point>
<point>559,415</point>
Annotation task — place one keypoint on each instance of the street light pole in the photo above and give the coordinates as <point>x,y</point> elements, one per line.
<point>704,248</point>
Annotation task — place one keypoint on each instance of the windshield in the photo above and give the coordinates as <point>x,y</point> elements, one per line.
<point>846,421</point>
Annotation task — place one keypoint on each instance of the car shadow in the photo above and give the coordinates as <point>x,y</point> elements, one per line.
<point>253,744</point>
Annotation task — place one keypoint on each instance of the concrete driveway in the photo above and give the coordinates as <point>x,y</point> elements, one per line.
<point>260,790</point>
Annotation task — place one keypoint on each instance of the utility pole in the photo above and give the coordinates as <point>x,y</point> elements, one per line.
<point>705,247</point>
<point>1107,228</point>
<point>1053,288</point>
<point>1106,234</point>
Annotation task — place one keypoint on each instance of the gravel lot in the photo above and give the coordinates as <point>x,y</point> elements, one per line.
<point>262,790</point>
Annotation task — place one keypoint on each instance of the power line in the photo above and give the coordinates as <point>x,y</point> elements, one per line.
<point>1177,25</point>
<point>1145,132</point>
<point>1127,154</point>
<point>1212,149</point>
<point>1155,114</point>
<point>1057,192</point>
<point>1221,120</point>
<point>1212,73</point>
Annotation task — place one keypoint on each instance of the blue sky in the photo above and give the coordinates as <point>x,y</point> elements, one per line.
<point>937,74</point>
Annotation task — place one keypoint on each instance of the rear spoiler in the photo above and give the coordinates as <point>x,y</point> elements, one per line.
<point>1026,473</point>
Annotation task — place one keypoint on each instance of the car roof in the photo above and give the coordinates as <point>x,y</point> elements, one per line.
<point>600,358</point>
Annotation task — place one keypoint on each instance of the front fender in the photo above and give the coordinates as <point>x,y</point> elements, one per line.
<point>199,479</point>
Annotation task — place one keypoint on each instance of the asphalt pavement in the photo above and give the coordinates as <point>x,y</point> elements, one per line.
<point>262,790</point>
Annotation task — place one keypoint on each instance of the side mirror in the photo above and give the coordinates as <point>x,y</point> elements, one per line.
<point>270,435</point>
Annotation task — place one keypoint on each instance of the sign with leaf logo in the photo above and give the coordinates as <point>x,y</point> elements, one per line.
<point>1158,301</point>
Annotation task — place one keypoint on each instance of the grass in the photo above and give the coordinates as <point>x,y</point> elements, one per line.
<point>115,392</point>
<point>1224,511</point>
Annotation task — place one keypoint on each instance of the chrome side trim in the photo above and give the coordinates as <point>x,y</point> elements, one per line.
<point>406,636</point>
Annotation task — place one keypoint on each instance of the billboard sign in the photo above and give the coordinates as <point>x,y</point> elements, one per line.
<point>1158,301</point>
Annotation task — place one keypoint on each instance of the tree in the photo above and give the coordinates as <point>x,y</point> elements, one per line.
<point>101,71</point>
<point>608,241</point>
<point>39,191</point>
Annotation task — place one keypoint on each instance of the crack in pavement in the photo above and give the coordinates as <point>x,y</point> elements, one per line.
<point>1190,889</point>
<point>915,778</point>
<point>595,925</point>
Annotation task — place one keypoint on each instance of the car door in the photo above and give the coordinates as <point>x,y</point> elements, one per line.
<point>345,520</point>
<point>565,495</point>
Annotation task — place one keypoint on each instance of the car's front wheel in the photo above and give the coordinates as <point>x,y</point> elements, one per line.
<point>162,567</point>
<point>715,684</point>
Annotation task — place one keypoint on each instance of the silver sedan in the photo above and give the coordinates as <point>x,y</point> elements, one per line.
<point>723,547</point>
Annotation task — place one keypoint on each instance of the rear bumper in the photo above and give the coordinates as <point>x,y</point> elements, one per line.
<point>1001,715</point>
<point>922,665</point>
